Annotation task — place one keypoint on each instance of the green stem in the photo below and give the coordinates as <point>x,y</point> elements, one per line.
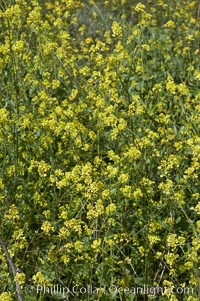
<point>13,268</point>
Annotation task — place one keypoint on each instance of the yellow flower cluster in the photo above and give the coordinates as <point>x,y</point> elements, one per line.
<point>139,7</point>
<point>47,227</point>
<point>116,29</point>
<point>5,297</point>
<point>39,279</point>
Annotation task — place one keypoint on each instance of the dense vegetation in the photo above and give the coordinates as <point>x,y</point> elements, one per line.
<point>99,149</point>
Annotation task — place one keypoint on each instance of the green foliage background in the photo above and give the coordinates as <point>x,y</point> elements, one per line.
<point>100,146</point>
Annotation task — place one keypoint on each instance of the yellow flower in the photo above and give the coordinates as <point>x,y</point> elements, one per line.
<point>4,115</point>
<point>6,297</point>
<point>126,191</point>
<point>197,74</point>
<point>64,232</point>
<point>105,193</point>
<point>13,213</point>
<point>55,84</point>
<point>92,213</point>
<point>110,242</point>
<point>169,24</point>
<point>113,156</point>
<point>197,208</point>
<point>43,168</point>
<point>139,69</point>
<point>111,221</point>
<point>65,259</point>
<point>116,29</point>
<point>137,193</point>
<point>99,207</point>
<point>141,249</point>
<point>78,246</point>
<point>166,187</point>
<point>20,278</point>
<point>136,32</point>
<point>96,245</point>
<point>1,183</point>
<point>170,85</point>
<point>18,46</point>
<point>157,88</point>
<point>73,95</point>
<point>47,227</point>
<point>198,226</point>
<point>188,265</point>
<point>171,258</point>
<point>140,7</point>
<point>146,47</point>
<point>153,239</point>
<point>110,208</point>
<point>46,213</point>
<point>182,89</point>
<point>172,240</point>
<point>39,278</point>
<point>123,178</point>
<point>133,153</point>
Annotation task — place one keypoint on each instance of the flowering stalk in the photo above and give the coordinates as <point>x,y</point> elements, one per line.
<point>13,268</point>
